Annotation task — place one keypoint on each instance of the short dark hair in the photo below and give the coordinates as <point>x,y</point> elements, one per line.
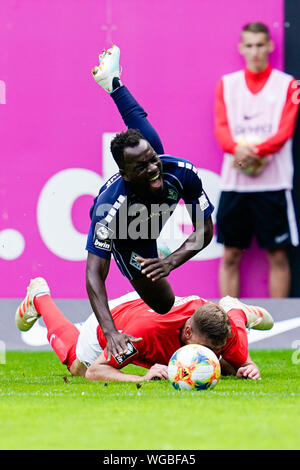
<point>256,27</point>
<point>129,138</point>
<point>212,321</point>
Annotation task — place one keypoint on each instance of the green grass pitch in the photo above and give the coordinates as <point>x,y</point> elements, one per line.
<point>43,407</point>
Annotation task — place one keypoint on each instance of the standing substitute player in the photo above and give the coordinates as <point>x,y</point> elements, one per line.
<point>256,110</point>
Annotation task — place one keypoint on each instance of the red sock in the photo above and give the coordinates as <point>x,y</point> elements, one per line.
<point>62,334</point>
<point>237,348</point>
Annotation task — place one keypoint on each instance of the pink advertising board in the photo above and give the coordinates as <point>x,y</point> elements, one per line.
<point>56,123</point>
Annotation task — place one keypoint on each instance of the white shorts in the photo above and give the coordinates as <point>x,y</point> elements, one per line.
<point>88,348</point>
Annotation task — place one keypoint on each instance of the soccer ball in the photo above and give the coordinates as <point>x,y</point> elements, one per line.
<point>194,367</point>
<point>257,168</point>
<point>260,162</point>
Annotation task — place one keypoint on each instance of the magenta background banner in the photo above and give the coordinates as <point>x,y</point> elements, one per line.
<point>56,123</point>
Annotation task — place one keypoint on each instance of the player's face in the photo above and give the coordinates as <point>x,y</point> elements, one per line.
<point>255,47</point>
<point>143,169</point>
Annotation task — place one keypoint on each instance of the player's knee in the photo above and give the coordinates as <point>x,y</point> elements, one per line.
<point>232,257</point>
<point>165,305</point>
<point>89,374</point>
<point>278,259</point>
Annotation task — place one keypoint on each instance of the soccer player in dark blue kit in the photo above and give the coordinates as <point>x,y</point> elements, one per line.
<point>132,207</point>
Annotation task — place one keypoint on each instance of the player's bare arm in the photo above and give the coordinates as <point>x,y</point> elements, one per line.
<point>227,368</point>
<point>248,370</point>
<point>100,370</point>
<point>96,272</point>
<point>156,268</point>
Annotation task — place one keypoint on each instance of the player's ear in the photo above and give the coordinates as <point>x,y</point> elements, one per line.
<point>187,331</point>
<point>271,46</point>
<point>240,48</point>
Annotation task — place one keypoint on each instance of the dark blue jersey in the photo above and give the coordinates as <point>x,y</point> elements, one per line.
<point>121,221</point>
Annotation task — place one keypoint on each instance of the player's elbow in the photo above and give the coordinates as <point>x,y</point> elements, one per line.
<point>89,375</point>
<point>94,373</point>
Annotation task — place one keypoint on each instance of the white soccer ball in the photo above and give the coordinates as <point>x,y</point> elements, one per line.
<point>194,367</point>
<point>260,162</point>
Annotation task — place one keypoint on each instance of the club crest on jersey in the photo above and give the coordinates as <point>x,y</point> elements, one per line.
<point>172,194</point>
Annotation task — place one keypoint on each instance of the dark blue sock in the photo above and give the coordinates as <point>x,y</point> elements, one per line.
<point>135,117</point>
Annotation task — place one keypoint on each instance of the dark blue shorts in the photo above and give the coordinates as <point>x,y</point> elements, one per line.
<point>125,253</point>
<point>269,216</point>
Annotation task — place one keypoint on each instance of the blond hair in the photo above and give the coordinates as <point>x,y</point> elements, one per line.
<point>212,321</point>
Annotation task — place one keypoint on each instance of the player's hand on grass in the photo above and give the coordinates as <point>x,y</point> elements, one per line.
<point>155,268</point>
<point>158,371</point>
<point>117,343</point>
<point>249,371</point>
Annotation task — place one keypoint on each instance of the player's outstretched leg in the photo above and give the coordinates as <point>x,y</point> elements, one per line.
<point>258,318</point>
<point>107,75</point>
<point>61,333</point>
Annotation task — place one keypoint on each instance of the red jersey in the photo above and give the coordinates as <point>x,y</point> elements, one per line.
<point>161,333</point>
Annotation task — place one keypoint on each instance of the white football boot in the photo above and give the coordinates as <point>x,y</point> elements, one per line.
<point>258,318</point>
<point>108,68</point>
<point>26,314</point>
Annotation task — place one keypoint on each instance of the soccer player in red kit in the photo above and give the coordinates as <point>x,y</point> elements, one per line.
<point>192,320</point>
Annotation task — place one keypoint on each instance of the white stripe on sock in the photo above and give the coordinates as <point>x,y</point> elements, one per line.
<point>292,218</point>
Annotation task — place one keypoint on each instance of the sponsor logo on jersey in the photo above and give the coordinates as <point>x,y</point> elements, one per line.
<point>132,351</point>
<point>259,129</point>
<point>105,245</point>
<point>247,117</point>
<point>281,238</point>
